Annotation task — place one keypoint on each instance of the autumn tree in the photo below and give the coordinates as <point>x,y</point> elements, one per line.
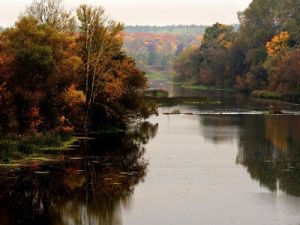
<point>210,63</point>
<point>187,65</point>
<point>278,43</point>
<point>250,59</point>
<point>274,23</point>
<point>43,65</point>
<point>6,106</point>
<point>106,69</point>
<point>286,75</point>
<point>52,13</point>
<point>54,79</point>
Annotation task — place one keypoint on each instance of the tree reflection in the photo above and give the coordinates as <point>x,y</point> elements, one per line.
<point>91,186</point>
<point>220,129</point>
<point>272,156</point>
<point>269,146</point>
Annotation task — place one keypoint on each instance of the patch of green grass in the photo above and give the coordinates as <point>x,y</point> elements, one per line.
<point>65,145</point>
<point>156,93</point>
<point>265,94</point>
<point>207,88</point>
<point>156,76</point>
<point>288,97</point>
<point>14,147</point>
<point>172,101</point>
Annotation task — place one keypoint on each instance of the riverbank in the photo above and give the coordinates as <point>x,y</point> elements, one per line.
<point>206,88</point>
<point>14,147</point>
<point>287,97</point>
<point>157,76</point>
<point>261,94</point>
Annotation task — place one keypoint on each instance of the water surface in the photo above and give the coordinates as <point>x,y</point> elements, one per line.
<point>231,166</point>
<point>221,169</point>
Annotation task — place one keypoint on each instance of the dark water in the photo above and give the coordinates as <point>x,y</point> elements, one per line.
<point>237,166</point>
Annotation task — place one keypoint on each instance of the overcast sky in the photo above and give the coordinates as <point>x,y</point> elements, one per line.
<point>158,12</point>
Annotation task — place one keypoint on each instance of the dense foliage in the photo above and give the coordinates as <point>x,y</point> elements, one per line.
<point>262,55</point>
<point>55,78</point>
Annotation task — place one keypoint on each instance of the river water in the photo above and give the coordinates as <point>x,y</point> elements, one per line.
<point>229,163</point>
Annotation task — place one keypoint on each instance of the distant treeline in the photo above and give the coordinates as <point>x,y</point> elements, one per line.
<point>156,51</point>
<point>155,47</point>
<point>263,54</point>
<point>170,29</point>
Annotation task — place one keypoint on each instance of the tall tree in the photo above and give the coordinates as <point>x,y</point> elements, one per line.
<point>44,65</point>
<point>52,13</point>
<point>107,71</point>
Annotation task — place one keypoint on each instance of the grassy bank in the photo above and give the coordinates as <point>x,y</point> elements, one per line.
<point>157,76</point>
<point>157,93</point>
<point>207,88</point>
<point>13,147</point>
<point>202,87</point>
<point>288,97</point>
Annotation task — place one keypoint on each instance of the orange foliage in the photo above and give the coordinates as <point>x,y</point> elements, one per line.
<point>286,77</point>
<point>74,97</point>
<point>227,44</point>
<point>73,112</point>
<point>73,178</point>
<point>280,133</point>
<point>34,118</point>
<point>277,43</point>
<point>245,83</point>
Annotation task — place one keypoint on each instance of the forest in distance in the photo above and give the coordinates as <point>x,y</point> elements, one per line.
<point>155,48</point>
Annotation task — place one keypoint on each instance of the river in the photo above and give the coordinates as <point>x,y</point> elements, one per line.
<point>228,163</point>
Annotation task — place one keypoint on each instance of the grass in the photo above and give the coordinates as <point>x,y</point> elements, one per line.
<point>14,147</point>
<point>156,76</point>
<point>202,87</point>
<point>289,97</point>
<point>156,93</point>
<point>161,76</point>
<point>65,145</point>
<point>265,94</point>
<point>172,101</point>
<point>207,88</point>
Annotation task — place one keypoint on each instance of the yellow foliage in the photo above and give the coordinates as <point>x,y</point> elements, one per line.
<point>74,97</point>
<point>277,43</point>
<point>227,44</point>
<point>73,178</point>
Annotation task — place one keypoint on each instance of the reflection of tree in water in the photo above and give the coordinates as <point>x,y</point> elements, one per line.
<point>220,129</point>
<point>269,147</point>
<point>271,153</point>
<point>90,188</point>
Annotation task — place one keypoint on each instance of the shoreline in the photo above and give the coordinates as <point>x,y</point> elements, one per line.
<point>14,148</point>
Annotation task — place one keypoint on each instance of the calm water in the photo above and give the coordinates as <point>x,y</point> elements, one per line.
<point>236,166</point>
